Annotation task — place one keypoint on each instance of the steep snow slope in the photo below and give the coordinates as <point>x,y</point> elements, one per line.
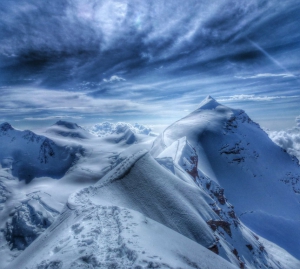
<point>259,178</point>
<point>28,155</point>
<point>235,242</point>
<point>151,190</point>
<point>121,222</point>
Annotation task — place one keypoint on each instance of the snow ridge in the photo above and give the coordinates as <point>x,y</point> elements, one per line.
<point>116,174</point>
<point>99,232</point>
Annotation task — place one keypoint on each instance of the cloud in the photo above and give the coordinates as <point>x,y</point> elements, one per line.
<point>36,103</point>
<point>298,121</point>
<point>288,139</point>
<point>107,128</point>
<point>69,41</point>
<point>51,118</point>
<point>114,78</point>
<point>247,97</point>
<point>267,75</point>
<point>27,99</point>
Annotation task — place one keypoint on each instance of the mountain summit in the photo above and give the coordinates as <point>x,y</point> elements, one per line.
<point>257,176</point>
<point>208,103</point>
<point>68,129</point>
<point>67,124</point>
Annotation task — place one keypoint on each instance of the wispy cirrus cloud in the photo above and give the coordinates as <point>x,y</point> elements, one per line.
<point>252,97</point>
<point>36,103</point>
<point>31,99</point>
<point>62,42</point>
<point>268,75</point>
<point>84,49</point>
<point>52,118</point>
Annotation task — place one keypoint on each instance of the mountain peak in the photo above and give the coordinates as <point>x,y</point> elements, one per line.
<point>208,103</point>
<point>5,127</point>
<point>209,98</point>
<point>67,124</point>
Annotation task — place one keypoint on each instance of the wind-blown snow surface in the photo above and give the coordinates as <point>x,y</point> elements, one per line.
<point>230,150</point>
<point>130,231</point>
<point>218,194</point>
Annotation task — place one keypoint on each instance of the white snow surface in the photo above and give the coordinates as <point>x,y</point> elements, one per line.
<point>96,231</point>
<point>235,242</point>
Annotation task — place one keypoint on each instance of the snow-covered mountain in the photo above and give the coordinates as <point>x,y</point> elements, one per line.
<point>28,155</point>
<point>223,148</point>
<point>213,191</point>
<point>68,129</point>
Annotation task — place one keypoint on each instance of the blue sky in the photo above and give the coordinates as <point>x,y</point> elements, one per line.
<point>150,62</point>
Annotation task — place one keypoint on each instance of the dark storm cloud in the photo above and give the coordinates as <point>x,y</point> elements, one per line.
<point>64,41</point>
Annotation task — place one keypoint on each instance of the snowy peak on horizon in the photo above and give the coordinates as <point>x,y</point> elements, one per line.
<point>5,126</point>
<point>68,129</point>
<point>209,103</point>
<point>211,110</point>
<point>68,124</point>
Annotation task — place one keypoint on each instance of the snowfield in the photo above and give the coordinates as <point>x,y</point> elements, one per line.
<point>211,191</point>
